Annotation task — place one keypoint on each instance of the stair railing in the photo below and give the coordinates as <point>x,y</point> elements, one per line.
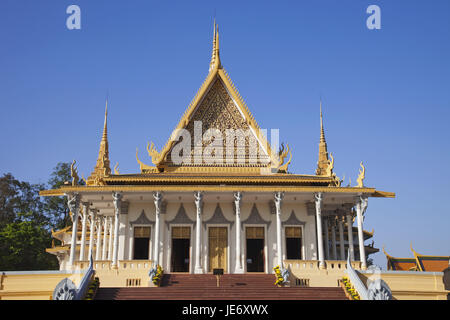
<point>377,288</point>
<point>67,290</point>
<point>356,281</point>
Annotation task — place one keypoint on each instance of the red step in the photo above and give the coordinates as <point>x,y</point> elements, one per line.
<point>232,287</point>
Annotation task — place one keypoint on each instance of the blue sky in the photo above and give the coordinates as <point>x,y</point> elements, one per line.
<point>386,93</point>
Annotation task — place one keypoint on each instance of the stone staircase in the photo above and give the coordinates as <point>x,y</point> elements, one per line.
<point>178,286</point>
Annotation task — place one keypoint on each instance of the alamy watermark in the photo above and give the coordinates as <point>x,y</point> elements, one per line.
<point>74,20</point>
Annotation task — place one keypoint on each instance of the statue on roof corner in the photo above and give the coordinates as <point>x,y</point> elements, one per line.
<point>74,174</point>
<point>361,176</point>
<point>153,153</point>
<point>282,154</point>
<point>330,166</point>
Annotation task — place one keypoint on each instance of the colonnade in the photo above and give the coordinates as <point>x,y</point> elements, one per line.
<point>333,222</point>
<point>107,247</point>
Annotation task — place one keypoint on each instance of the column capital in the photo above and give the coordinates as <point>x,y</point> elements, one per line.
<point>279,196</point>
<point>237,196</point>
<point>318,197</point>
<point>237,203</point>
<point>198,195</point>
<point>73,202</point>
<point>157,196</point>
<point>117,199</point>
<point>278,199</point>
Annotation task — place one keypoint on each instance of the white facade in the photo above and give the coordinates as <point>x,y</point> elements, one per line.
<point>217,210</point>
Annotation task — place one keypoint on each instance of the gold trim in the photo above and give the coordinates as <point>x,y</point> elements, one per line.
<point>206,188</point>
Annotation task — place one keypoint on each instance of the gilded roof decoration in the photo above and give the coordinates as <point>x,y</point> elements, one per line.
<point>74,174</point>
<point>323,163</point>
<point>361,176</point>
<point>102,168</point>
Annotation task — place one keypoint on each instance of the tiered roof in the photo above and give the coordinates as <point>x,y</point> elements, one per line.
<point>420,262</point>
<point>218,105</point>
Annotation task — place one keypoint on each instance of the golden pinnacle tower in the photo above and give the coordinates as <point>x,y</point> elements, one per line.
<point>215,57</point>
<point>322,163</point>
<point>102,168</point>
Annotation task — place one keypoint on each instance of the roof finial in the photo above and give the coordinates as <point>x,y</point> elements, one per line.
<point>105,124</point>
<point>102,168</point>
<point>322,163</point>
<point>215,58</point>
<point>322,132</point>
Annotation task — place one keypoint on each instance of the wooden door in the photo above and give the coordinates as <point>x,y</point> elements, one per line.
<point>255,249</point>
<point>180,249</point>
<point>218,243</point>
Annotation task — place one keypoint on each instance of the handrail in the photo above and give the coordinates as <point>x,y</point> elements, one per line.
<point>376,289</point>
<point>67,290</point>
<point>356,281</point>
<point>84,284</point>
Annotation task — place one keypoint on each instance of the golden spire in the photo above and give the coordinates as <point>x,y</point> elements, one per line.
<point>215,58</point>
<point>102,168</point>
<point>322,163</point>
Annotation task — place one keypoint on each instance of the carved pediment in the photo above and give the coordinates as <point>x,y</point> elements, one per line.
<point>255,217</point>
<point>142,219</point>
<point>181,217</point>
<point>218,218</point>
<point>292,220</point>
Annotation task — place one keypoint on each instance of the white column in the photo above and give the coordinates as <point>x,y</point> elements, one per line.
<point>237,203</point>
<point>341,239</point>
<point>117,199</point>
<point>92,219</point>
<point>110,241</point>
<point>333,237</point>
<point>73,202</point>
<point>130,242</point>
<point>198,231</point>
<point>157,200</point>
<point>99,237</point>
<point>350,236</point>
<point>105,237</point>
<point>361,206</point>
<point>83,230</point>
<point>327,239</point>
<point>278,198</point>
<point>318,199</point>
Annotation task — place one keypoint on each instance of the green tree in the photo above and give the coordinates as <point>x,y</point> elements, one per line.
<point>17,197</point>
<point>26,220</point>
<point>23,243</point>
<point>56,207</point>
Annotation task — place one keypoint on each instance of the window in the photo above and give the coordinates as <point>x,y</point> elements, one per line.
<point>293,242</point>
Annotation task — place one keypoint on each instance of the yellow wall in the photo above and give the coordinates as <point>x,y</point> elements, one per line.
<point>405,285</point>
<point>35,285</point>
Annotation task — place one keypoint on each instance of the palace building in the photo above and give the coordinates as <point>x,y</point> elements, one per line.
<point>219,200</point>
<point>202,206</point>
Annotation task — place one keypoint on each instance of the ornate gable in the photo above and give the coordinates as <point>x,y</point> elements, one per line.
<point>217,105</point>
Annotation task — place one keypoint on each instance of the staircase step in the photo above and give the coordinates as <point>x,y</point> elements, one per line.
<point>232,287</point>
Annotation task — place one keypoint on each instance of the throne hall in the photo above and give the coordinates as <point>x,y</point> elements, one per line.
<point>247,215</point>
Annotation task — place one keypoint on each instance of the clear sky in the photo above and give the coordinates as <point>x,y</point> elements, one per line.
<point>386,93</point>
